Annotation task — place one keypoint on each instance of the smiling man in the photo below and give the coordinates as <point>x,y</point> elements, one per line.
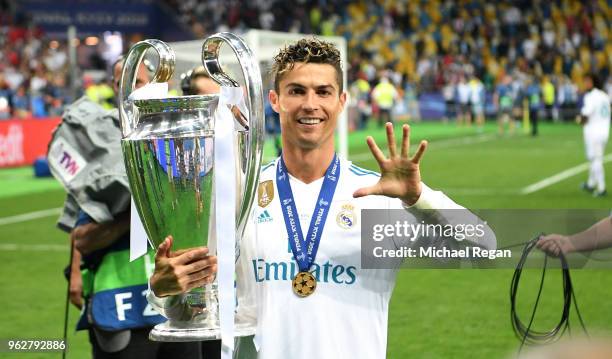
<point>302,253</point>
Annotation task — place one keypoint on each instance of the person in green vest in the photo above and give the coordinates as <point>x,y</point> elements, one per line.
<point>548,95</point>
<point>85,156</point>
<point>384,95</point>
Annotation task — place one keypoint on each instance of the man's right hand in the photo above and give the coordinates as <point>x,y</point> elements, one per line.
<point>179,272</point>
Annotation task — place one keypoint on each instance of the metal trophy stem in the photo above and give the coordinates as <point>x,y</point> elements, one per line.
<point>168,148</point>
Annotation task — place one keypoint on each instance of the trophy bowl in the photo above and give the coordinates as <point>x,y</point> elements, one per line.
<point>168,146</point>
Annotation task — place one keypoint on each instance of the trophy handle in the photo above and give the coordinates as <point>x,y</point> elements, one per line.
<point>127,83</point>
<point>255,140</point>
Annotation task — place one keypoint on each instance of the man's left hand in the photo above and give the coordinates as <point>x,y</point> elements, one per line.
<point>400,174</point>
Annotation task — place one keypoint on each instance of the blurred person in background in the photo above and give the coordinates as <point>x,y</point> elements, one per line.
<point>503,103</point>
<point>464,116</point>
<point>385,96</point>
<point>5,99</point>
<point>568,98</point>
<point>198,82</point>
<point>595,119</point>
<point>534,97</point>
<point>21,102</point>
<point>548,96</point>
<point>449,95</point>
<point>518,96</point>
<point>411,99</point>
<point>57,95</point>
<point>477,101</point>
<point>360,93</point>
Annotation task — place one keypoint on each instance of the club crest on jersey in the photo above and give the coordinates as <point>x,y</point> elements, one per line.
<point>265,193</point>
<point>346,218</point>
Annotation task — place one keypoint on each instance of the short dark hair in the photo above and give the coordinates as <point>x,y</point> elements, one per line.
<point>595,79</point>
<point>188,80</point>
<point>307,50</point>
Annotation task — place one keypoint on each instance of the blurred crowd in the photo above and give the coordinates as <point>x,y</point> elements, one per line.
<point>417,47</point>
<point>469,51</point>
<point>33,72</point>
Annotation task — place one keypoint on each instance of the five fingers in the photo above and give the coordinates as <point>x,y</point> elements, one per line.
<point>405,148</point>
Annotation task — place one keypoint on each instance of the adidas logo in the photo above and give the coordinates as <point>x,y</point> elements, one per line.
<point>264,217</point>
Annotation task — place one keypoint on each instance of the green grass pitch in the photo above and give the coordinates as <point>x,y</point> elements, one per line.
<point>434,313</point>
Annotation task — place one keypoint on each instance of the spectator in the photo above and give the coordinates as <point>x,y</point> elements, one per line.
<point>533,94</point>
<point>548,94</point>
<point>384,95</point>
<point>21,102</point>
<point>5,99</point>
<point>464,114</point>
<point>360,93</point>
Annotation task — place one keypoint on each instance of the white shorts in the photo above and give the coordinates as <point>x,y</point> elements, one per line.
<point>595,145</point>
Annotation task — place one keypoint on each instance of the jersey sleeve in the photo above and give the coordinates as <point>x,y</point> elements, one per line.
<point>434,207</point>
<point>588,106</point>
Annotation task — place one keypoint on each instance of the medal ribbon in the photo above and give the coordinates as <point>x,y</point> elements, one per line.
<point>305,249</point>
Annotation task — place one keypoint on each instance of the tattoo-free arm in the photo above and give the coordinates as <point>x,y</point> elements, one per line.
<point>92,236</point>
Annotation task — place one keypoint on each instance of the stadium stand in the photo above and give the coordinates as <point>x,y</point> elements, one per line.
<point>423,47</point>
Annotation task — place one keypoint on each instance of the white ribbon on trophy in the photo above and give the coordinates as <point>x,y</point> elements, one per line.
<point>225,211</point>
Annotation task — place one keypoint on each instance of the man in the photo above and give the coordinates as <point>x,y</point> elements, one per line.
<point>198,82</point>
<point>595,118</point>
<point>464,114</point>
<point>503,102</point>
<point>384,95</point>
<point>533,94</point>
<point>477,100</point>
<point>548,97</point>
<point>97,215</point>
<point>360,91</point>
<point>345,315</point>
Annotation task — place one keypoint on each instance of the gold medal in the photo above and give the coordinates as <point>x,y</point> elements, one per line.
<point>304,284</point>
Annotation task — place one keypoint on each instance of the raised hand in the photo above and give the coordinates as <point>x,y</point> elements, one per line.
<point>400,174</point>
<point>179,272</point>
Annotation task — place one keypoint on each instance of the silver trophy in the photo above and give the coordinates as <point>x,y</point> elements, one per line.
<point>168,147</point>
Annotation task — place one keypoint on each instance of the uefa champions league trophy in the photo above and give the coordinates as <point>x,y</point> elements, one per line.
<point>169,150</point>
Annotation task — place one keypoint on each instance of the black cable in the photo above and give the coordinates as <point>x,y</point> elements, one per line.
<point>525,333</point>
<point>67,306</point>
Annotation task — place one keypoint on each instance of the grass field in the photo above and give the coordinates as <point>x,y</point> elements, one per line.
<point>434,313</point>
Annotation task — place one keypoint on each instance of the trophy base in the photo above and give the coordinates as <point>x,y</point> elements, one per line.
<point>165,333</point>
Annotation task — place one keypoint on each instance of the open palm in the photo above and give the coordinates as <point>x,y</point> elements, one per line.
<point>400,174</point>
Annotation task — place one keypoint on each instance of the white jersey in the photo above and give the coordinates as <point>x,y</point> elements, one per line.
<point>596,108</point>
<point>346,317</point>
<point>464,91</point>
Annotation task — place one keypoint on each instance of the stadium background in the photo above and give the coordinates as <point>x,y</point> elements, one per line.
<point>422,47</point>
